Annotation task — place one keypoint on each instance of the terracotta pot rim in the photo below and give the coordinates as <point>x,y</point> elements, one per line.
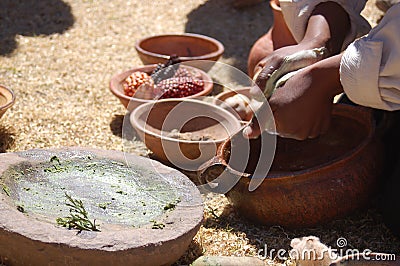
<point>208,86</point>
<point>282,176</point>
<point>10,101</point>
<point>274,5</point>
<point>219,98</point>
<point>143,108</point>
<point>220,47</point>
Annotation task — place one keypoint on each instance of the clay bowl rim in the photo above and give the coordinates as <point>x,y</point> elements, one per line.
<point>134,118</point>
<point>10,102</point>
<point>283,176</point>
<point>218,99</point>
<point>119,77</point>
<point>220,47</point>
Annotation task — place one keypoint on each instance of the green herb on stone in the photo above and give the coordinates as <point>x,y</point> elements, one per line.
<point>55,159</point>
<point>104,205</point>
<point>121,192</point>
<point>21,209</point>
<point>78,216</point>
<point>157,225</point>
<point>6,189</point>
<point>171,205</point>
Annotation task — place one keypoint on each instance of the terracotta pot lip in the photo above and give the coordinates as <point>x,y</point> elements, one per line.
<point>220,47</point>
<point>219,98</point>
<point>275,5</point>
<point>144,108</point>
<point>11,101</point>
<point>283,176</point>
<point>120,94</point>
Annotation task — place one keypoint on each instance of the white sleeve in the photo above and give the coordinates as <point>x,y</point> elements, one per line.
<point>370,67</point>
<point>297,13</point>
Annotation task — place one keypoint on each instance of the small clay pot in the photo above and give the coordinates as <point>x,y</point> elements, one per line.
<point>229,93</point>
<point>131,103</point>
<point>155,122</point>
<point>7,99</point>
<point>277,37</point>
<point>312,181</point>
<point>188,46</point>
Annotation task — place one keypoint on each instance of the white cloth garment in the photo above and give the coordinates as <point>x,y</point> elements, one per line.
<point>297,13</point>
<point>370,66</point>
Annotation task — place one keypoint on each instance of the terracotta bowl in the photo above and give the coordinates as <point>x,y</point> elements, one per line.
<point>188,46</point>
<point>312,181</point>
<point>7,99</point>
<point>131,103</point>
<point>229,93</point>
<point>204,127</point>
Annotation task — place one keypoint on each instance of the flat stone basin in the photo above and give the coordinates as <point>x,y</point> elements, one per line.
<point>145,213</point>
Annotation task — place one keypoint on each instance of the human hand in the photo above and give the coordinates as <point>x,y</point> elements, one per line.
<point>302,106</point>
<point>288,66</point>
<point>271,63</point>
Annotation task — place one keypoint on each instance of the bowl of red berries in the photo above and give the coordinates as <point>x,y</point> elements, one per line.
<point>160,81</point>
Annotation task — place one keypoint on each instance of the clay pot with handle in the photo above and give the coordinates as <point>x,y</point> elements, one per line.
<point>310,182</point>
<point>277,36</point>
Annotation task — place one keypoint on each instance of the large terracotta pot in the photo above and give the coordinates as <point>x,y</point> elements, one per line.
<point>312,181</point>
<point>278,36</point>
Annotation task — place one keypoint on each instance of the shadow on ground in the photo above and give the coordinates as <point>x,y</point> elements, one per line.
<point>31,18</point>
<point>7,139</point>
<point>194,251</point>
<point>121,127</point>
<point>237,29</point>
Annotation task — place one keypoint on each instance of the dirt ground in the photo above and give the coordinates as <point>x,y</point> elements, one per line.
<point>58,57</point>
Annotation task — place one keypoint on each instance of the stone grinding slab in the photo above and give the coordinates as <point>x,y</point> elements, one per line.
<point>147,213</point>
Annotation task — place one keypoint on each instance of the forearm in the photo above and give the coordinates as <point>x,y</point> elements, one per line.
<point>327,73</point>
<point>327,26</point>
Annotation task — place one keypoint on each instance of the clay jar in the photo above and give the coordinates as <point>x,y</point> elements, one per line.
<point>312,181</point>
<point>278,36</point>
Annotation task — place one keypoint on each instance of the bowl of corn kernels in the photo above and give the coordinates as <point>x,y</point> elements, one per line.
<point>159,81</point>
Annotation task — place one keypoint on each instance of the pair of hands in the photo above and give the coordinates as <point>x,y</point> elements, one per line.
<point>302,106</point>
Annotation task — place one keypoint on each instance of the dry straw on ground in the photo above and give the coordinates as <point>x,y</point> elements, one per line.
<point>58,57</point>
